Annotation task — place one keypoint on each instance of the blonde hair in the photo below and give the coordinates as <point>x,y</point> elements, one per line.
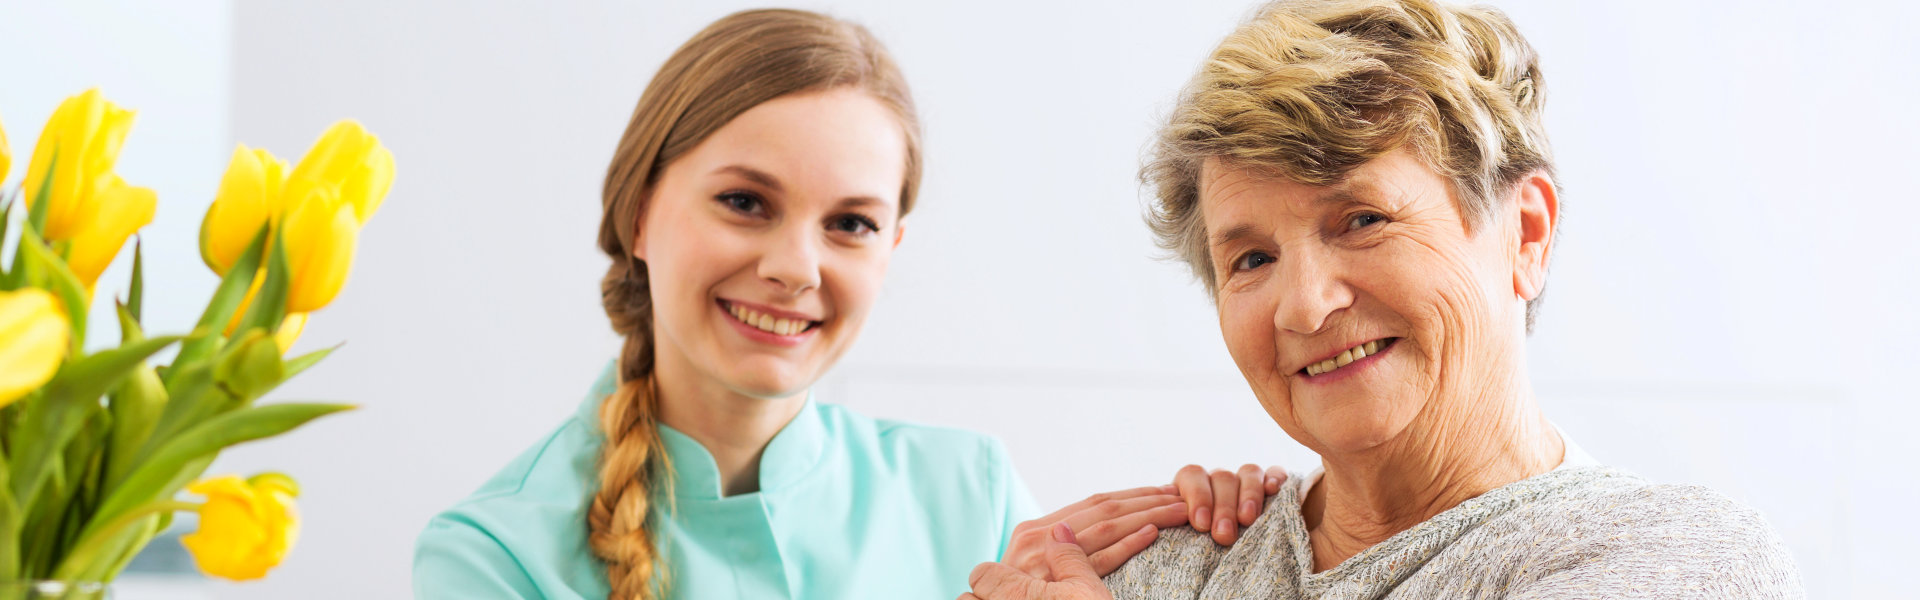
<point>1310,90</point>
<point>736,63</point>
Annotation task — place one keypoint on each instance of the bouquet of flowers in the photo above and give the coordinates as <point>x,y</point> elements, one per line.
<point>96,448</point>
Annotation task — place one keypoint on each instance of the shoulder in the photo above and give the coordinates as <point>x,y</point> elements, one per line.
<point>525,524</point>
<point>1689,540</point>
<point>908,444</point>
<point>1177,565</point>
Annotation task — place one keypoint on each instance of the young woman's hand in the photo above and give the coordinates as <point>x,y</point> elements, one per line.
<point>1071,574</point>
<point>1223,502</point>
<point>1113,527</point>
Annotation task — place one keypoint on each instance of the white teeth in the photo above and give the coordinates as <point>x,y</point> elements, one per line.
<point>768,323</point>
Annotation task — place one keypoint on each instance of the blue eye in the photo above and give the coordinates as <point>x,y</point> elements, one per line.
<point>1364,219</point>
<point>743,203</point>
<point>1253,260</point>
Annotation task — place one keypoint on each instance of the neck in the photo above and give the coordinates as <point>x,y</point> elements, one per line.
<point>1462,448</point>
<point>735,428</point>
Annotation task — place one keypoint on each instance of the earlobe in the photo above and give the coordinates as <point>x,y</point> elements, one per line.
<point>1538,209</point>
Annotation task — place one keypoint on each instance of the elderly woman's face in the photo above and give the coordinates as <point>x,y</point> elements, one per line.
<point>1356,309</point>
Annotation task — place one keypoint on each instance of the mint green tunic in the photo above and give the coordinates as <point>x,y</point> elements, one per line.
<point>848,507</point>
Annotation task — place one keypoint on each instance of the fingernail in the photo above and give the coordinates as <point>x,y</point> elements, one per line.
<point>1248,507</point>
<point>1169,488</point>
<point>1201,517</point>
<point>1179,507</point>
<point>1062,533</point>
<point>1273,481</point>
<point>1224,526</point>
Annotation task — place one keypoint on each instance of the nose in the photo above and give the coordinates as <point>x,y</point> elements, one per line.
<point>1310,290</point>
<point>791,262</point>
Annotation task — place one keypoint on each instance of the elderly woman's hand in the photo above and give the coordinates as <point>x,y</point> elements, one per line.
<point>1072,575</point>
<point>1223,502</point>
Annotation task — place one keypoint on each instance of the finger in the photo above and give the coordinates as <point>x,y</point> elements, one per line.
<point>1116,509</point>
<point>1226,489</point>
<point>1109,559</point>
<point>1099,536</point>
<point>1068,561</point>
<point>1070,509</point>
<point>1253,489</point>
<point>968,596</point>
<point>1197,490</point>
<point>1275,477</point>
<point>992,580</point>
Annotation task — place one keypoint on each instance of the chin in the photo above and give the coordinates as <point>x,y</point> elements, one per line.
<point>1354,428</point>
<point>768,381</point>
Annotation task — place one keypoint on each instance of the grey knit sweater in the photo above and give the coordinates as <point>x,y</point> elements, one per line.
<point>1574,532</point>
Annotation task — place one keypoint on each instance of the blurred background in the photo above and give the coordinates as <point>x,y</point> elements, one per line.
<point>1733,302</point>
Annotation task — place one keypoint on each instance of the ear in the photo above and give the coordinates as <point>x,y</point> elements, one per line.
<point>1538,206</point>
<point>899,231</point>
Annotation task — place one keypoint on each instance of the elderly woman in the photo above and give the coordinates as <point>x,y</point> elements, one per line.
<point>1366,190</point>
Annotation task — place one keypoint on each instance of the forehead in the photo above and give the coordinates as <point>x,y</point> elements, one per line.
<point>838,143</point>
<point>1229,192</point>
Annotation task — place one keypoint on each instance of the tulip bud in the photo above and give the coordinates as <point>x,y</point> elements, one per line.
<point>6,154</point>
<point>123,209</point>
<point>249,198</point>
<point>319,234</point>
<point>85,134</point>
<point>354,162</point>
<point>33,341</point>
<point>245,528</point>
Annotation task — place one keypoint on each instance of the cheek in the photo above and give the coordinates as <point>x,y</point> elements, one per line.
<point>851,279</point>
<point>1246,324</point>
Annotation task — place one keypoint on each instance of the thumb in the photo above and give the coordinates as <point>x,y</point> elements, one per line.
<point>1067,560</point>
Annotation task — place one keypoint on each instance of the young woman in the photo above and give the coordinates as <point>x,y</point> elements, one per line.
<point>750,212</point>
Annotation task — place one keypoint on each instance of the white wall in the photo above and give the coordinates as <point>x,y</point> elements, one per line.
<point>1732,303</point>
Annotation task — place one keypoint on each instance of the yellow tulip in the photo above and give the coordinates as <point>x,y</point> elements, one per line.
<point>354,162</point>
<point>86,132</point>
<point>290,331</point>
<point>249,198</point>
<point>6,154</point>
<point>246,527</point>
<point>33,341</point>
<point>124,209</point>
<point>319,233</point>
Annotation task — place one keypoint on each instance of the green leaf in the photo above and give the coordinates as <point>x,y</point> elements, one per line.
<point>37,210</point>
<point>302,362</point>
<point>55,417</point>
<point>269,307</point>
<point>60,280</point>
<point>226,300</point>
<point>152,478</point>
<point>135,405</point>
<point>137,289</point>
<point>9,530</point>
<point>6,223</point>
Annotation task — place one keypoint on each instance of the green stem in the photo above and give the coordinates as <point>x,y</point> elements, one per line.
<point>83,554</point>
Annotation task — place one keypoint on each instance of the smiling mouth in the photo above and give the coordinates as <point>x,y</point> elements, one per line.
<point>1348,356</point>
<point>768,323</point>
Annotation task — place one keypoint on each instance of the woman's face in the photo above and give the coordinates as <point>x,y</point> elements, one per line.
<point>1357,309</point>
<point>766,244</point>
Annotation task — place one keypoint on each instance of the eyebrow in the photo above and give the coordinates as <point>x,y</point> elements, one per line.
<point>754,175</point>
<point>1343,193</point>
<point>767,180</point>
